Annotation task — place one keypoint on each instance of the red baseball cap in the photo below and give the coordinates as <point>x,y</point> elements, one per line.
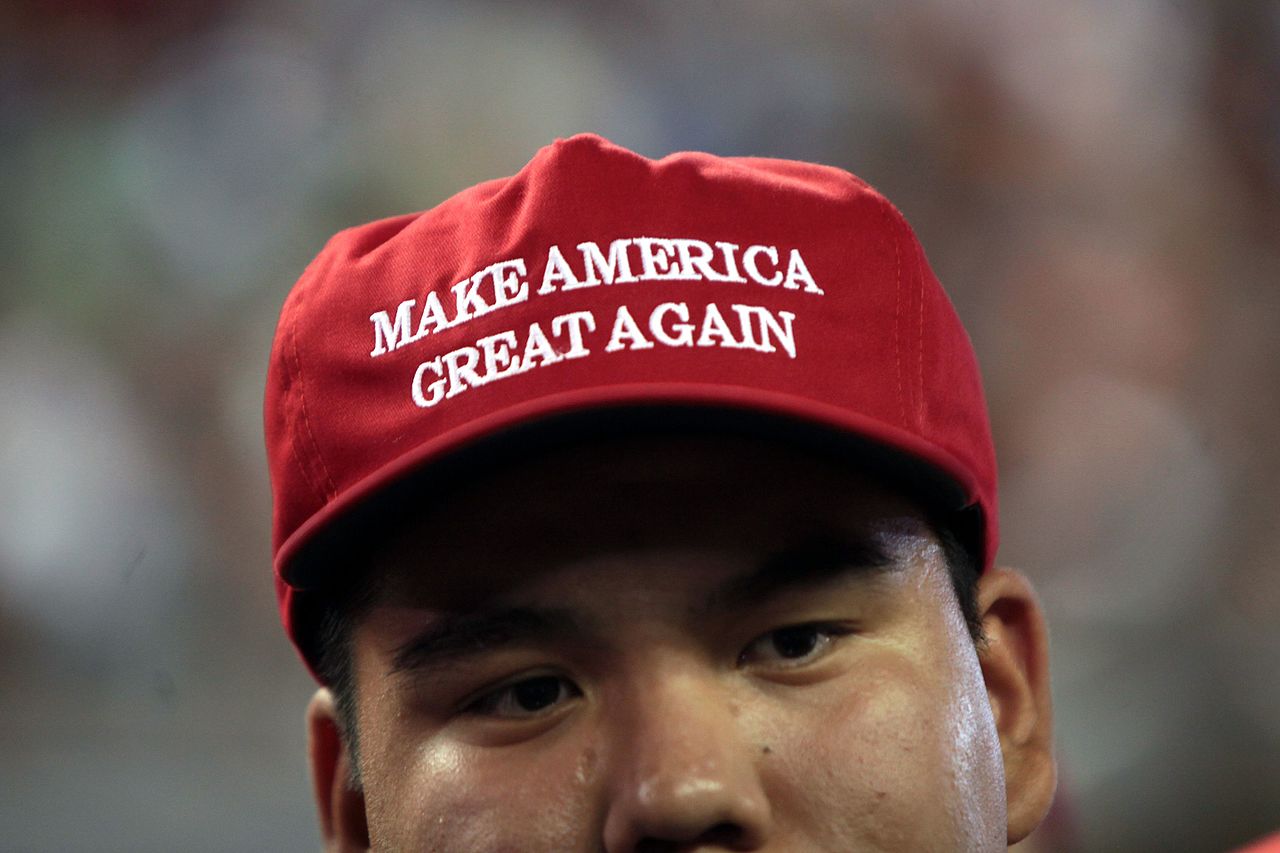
<point>598,287</point>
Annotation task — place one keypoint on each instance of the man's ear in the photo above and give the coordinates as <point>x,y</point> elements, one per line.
<point>1015,665</point>
<point>339,803</point>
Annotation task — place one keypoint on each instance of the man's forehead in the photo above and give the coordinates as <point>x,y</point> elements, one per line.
<point>582,603</point>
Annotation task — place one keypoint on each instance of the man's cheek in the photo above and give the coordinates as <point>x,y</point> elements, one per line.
<point>453,797</point>
<point>864,764</point>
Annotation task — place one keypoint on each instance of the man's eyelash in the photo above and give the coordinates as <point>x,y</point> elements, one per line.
<point>828,633</point>
<point>488,701</point>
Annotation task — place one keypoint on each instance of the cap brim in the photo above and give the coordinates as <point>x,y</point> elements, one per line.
<point>327,545</point>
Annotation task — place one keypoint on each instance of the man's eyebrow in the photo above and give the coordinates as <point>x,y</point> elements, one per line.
<point>809,562</point>
<point>454,636</point>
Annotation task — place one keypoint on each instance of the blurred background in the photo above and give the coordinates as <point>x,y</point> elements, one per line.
<point>1096,183</point>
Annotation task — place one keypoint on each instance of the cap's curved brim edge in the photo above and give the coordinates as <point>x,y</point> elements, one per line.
<point>292,556</point>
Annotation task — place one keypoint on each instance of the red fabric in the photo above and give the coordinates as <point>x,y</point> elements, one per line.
<point>1270,844</point>
<point>879,351</point>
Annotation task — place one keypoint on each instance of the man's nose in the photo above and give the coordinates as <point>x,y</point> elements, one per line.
<point>683,775</point>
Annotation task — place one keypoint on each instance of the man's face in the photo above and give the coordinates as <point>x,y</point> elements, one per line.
<point>674,644</point>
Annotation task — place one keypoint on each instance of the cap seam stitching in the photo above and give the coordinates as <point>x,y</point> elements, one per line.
<point>331,491</point>
<point>920,395</point>
<point>292,377</point>
<point>897,311</point>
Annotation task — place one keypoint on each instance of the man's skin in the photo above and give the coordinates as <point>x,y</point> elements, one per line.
<point>717,644</point>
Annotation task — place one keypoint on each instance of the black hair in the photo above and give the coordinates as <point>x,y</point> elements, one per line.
<point>331,648</point>
<point>964,567</point>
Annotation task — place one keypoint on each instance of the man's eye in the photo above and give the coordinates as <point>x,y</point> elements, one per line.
<point>526,699</point>
<point>794,645</point>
